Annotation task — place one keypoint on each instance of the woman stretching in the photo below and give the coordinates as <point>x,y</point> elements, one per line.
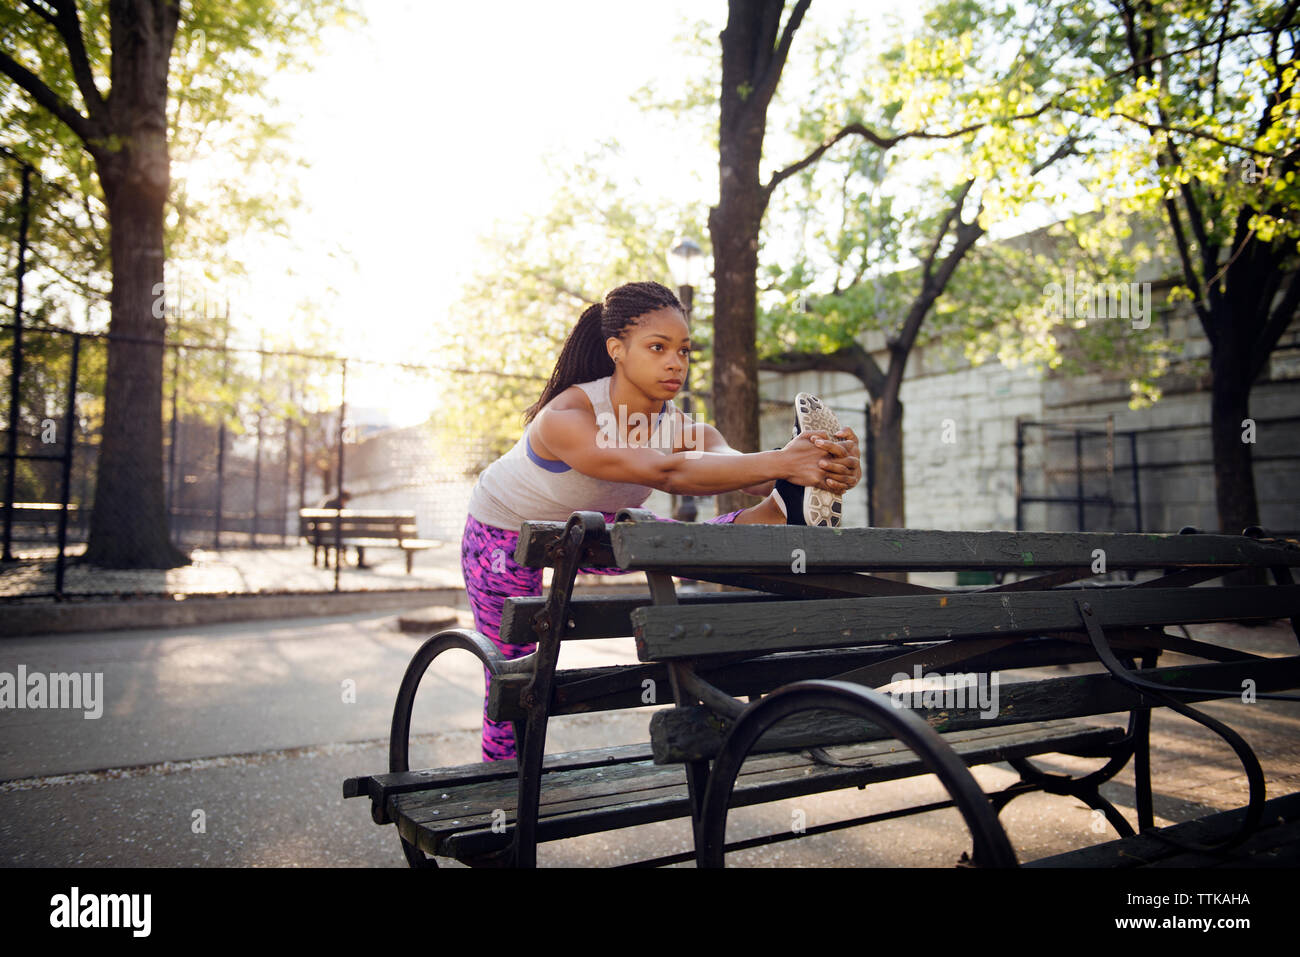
<point>605,433</point>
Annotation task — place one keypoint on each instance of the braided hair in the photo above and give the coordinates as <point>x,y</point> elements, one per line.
<point>584,356</point>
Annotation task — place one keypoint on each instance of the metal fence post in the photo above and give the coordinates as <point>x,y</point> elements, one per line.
<point>16,367</point>
<point>221,440</point>
<point>338,522</point>
<point>1137,483</point>
<point>1078,472</point>
<point>171,446</point>
<point>1020,473</point>
<point>257,455</point>
<point>871,464</point>
<point>69,436</point>
<point>284,488</point>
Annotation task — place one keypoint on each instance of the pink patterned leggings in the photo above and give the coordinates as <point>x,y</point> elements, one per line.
<point>491,576</point>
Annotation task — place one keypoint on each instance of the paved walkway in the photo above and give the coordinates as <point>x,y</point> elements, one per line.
<point>243,571</point>
<point>251,725</point>
<point>247,571</point>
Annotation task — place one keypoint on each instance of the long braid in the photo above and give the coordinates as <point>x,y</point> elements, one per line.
<point>584,356</point>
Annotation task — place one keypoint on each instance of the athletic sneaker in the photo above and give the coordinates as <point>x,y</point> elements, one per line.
<point>803,505</point>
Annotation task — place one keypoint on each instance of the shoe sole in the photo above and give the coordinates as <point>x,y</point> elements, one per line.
<point>820,507</point>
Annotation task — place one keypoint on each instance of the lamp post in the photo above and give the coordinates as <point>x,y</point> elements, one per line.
<point>686,262</point>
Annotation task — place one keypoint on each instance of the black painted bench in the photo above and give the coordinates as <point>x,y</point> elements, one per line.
<point>812,614</point>
<point>1200,843</point>
<point>330,529</point>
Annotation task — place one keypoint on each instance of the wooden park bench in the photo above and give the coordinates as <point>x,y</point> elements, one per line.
<point>334,529</point>
<point>30,517</point>
<point>773,686</point>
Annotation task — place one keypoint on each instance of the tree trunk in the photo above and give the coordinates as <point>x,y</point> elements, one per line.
<point>128,527</point>
<point>888,505</point>
<point>752,61</point>
<point>1234,475</point>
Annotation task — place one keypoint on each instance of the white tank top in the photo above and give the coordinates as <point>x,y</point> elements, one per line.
<point>522,486</point>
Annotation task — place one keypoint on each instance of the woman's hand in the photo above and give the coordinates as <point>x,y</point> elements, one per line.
<point>844,462</point>
<point>810,460</point>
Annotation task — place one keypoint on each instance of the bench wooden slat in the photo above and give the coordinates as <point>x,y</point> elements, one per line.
<point>379,787</point>
<point>695,733</point>
<point>616,687</point>
<point>536,539</point>
<point>666,632</point>
<point>600,616</point>
<point>766,778</point>
<point>1275,844</point>
<point>678,547</point>
<point>581,803</point>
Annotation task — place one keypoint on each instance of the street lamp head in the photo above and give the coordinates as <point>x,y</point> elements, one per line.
<point>686,262</point>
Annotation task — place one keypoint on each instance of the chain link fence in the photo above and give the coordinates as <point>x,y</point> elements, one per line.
<point>250,438</point>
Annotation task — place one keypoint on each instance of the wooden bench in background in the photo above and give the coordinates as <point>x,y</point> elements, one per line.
<point>331,529</point>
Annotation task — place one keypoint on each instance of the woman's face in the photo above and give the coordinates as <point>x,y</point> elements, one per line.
<point>654,352</point>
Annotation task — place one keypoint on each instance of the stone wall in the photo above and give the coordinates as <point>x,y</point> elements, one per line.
<point>960,440</point>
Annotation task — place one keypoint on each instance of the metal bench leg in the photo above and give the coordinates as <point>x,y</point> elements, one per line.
<point>662,592</point>
<point>992,849</point>
<point>583,529</point>
<point>1161,694</point>
<point>1142,761</point>
<point>1282,576</point>
<point>400,734</point>
<point>1135,744</point>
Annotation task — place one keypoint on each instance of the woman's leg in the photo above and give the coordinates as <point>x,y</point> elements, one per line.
<point>491,576</point>
<point>766,512</point>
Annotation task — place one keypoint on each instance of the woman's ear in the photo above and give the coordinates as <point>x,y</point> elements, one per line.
<point>615,347</point>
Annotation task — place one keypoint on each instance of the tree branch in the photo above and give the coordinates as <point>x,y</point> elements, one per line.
<point>82,285</point>
<point>1277,324</point>
<point>967,235</point>
<point>1065,149</point>
<point>68,24</point>
<point>1189,270</point>
<point>772,73</point>
<point>1156,58</point>
<point>953,213</point>
<point>41,12</point>
<point>1218,57</point>
<point>47,98</point>
<point>1152,127</point>
<point>561,288</point>
<point>884,142</point>
<point>852,358</point>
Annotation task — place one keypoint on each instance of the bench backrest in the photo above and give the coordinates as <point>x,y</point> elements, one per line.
<point>317,524</point>
<point>784,548</point>
<point>673,632</point>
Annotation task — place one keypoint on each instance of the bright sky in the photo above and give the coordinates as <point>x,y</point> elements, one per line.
<point>432,123</point>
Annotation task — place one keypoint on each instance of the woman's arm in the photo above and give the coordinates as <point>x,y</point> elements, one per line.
<point>703,436</point>
<point>572,436</point>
